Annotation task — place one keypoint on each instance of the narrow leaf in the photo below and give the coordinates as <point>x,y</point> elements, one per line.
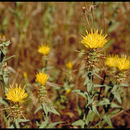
<point>52,125</point>
<point>3,102</point>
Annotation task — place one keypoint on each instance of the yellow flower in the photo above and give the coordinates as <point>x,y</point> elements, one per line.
<point>69,65</point>
<point>68,91</point>
<point>123,63</point>
<point>111,61</point>
<point>41,78</point>
<point>94,39</point>
<point>16,94</point>
<point>25,75</point>
<point>44,50</point>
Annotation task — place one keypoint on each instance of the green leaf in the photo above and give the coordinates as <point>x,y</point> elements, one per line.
<point>40,107</point>
<point>86,81</point>
<point>12,10</point>
<point>5,22</point>
<point>99,85</point>
<point>26,23</point>
<point>53,110</point>
<point>79,92</point>
<point>112,27</point>
<point>17,123</point>
<point>3,102</point>
<point>97,75</point>
<point>89,86</point>
<point>117,96</point>
<point>22,120</point>
<point>79,123</point>
<point>108,120</point>
<point>5,78</point>
<point>12,126</point>
<point>44,123</point>
<point>105,101</point>
<point>114,112</point>
<point>5,44</point>
<point>124,85</point>
<point>114,89</point>
<point>106,89</point>
<point>45,108</point>
<point>95,111</point>
<point>114,105</point>
<point>6,59</point>
<point>50,108</point>
<point>52,125</point>
<point>37,124</point>
<point>90,116</point>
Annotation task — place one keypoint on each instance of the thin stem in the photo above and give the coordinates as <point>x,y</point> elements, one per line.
<point>102,82</point>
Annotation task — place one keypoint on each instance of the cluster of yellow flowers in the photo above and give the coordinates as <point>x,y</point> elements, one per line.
<point>16,94</point>
<point>91,40</point>
<point>94,39</point>
<point>122,63</point>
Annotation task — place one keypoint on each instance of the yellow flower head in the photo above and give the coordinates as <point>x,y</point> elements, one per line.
<point>41,78</point>
<point>111,61</point>
<point>44,50</point>
<point>69,65</point>
<point>94,39</point>
<point>122,63</point>
<point>68,91</point>
<point>16,94</point>
<point>25,75</point>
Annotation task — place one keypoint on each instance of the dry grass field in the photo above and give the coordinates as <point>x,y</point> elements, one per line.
<point>61,26</point>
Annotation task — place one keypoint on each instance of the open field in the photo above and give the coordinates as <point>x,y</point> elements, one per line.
<point>62,98</point>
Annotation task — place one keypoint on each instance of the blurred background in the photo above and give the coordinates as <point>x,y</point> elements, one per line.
<point>60,25</point>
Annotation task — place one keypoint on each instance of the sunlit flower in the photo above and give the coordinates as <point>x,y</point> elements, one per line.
<point>69,65</point>
<point>94,39</point>
<point>123,63</point>
<point>25,75</point>
<point>16,94</point>
<point>41,78</point>
<point>44,49</point>
<point>111,61</point>
<point>68,91</point>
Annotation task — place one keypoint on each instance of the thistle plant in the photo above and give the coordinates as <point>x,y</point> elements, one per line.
<point>64,91</point>
<point>3,62</point>
<point>13,105</point>
<point>94,42</point>
<point>94,101</point>
<point>116,66</point>
<point>44,50</point>
<point>41,80</point>
<point>13,96</point>
<point>69,77</point>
